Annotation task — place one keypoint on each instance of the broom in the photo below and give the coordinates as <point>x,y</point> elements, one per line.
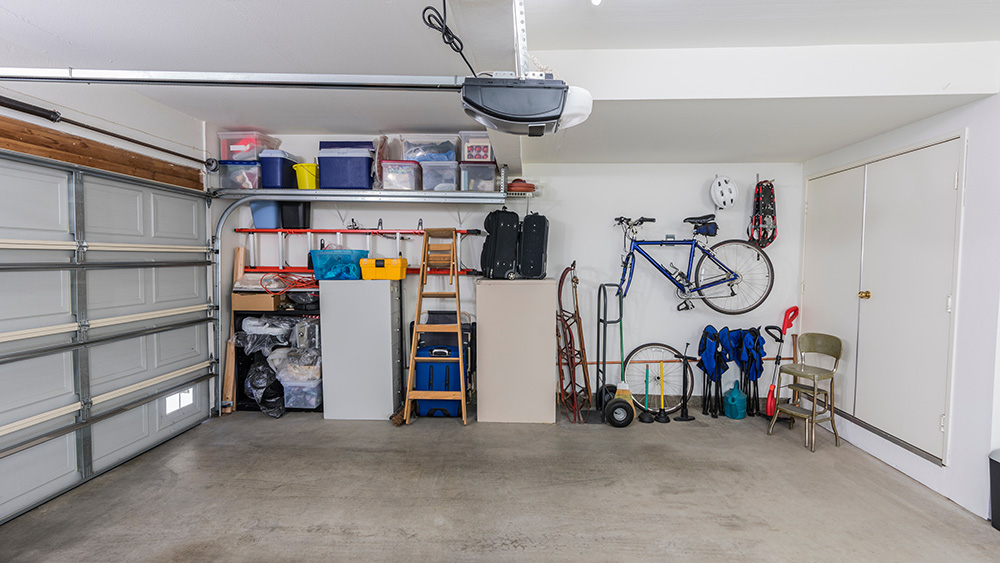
<point>623,392</point>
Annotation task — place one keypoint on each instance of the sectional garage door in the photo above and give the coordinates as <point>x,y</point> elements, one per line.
<point>104,323</point>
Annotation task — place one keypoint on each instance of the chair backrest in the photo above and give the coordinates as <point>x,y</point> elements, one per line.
<point>819,343</point>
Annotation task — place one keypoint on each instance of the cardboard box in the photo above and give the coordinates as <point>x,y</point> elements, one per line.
<point>257,301</point>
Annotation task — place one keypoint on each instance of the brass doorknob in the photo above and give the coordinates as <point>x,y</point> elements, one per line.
<point>865,294</point>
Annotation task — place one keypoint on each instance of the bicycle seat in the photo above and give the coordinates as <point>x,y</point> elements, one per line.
<point>700,220</point>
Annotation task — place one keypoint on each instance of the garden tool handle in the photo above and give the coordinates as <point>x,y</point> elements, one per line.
<point>776,333</point>
<point>790,315</point>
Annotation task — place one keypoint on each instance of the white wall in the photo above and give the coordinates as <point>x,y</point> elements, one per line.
<point>581,202</point>
<point>973,429</point>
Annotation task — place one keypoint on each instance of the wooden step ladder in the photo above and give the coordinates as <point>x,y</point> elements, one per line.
<point>438,255</point>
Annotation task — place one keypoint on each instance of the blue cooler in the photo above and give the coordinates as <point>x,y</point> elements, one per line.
<point>438,376</point>
<point>345,169</point>
<point>276,170</point>
<point>266,214</point>
<point>347,145</point>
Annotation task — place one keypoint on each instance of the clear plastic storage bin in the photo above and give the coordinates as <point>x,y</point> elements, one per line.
<point>476,146</point>
<point>303,394</point>
<point>423,148</point>
<point>478,176</point>
<point>439,176</point>
<point>400,175</point>
<point>244,145</point>
<point>239,175</point>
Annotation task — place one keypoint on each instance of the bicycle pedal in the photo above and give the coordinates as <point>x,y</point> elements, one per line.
<point>685,306</point>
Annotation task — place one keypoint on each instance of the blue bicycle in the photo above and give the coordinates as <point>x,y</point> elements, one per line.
<point>732,277</point>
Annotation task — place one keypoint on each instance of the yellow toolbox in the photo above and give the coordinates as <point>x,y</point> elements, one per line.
<point>383,268</point>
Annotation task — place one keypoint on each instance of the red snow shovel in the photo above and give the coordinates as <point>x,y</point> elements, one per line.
<point>778,334</point>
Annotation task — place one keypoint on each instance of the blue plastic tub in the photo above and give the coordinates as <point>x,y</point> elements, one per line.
<point>337,264</point>
<point>266,214</point>
<point>347,145</point>
<point>276,170</point>
<point>345,169</point>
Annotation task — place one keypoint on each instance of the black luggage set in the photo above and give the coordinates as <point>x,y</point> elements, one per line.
<point>513,248</point>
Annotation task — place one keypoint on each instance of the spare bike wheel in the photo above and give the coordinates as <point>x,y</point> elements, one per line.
<point>755,277</point>
<point>656,356</point>
<point>618,413</point>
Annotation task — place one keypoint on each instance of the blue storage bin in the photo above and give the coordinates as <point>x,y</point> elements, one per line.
<point>266,214</point>
<point>337,264</point>
<point>276,170</point>
<point>347,145</point>
<point>345,169</point>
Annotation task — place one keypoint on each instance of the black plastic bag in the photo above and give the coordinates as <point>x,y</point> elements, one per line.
<point>262,386</point>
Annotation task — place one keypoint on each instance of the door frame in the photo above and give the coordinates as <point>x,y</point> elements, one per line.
<point>962,136</point>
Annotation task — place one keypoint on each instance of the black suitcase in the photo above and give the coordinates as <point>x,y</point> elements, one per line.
<point>532,249</point>
<point>499,258</point>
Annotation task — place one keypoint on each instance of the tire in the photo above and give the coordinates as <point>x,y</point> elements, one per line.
<point>654,355</point>
<point>618,413</point>
<point>756,277</point>
<point>606,394</point>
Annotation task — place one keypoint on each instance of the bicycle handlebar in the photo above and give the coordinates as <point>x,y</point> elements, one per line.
<point>631,223</point>
<point>645,220</point>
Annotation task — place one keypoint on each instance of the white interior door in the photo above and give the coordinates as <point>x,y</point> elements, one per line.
<point>831,271</point>
<point>908,266</point>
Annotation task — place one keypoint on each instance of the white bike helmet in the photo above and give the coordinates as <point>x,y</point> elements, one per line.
<point>724,192</point>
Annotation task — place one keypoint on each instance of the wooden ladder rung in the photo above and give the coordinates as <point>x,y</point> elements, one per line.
<point>439,294</point>
<point>437,328</point>
<point>439,248</point>
<point>445,395</point>
<point>435,359</point>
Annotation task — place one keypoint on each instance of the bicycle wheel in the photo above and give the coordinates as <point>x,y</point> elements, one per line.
<point>656,357</point>
<point>751,288</point>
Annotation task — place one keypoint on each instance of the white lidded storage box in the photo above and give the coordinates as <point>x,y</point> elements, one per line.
<point>244,145</point>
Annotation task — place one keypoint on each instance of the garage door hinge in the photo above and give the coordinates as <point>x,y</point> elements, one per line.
<point>942,423</point>
<point>81,245</point>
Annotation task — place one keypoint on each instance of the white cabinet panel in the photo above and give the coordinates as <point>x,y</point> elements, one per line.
<point>832,269</point>
<point>908,265</point>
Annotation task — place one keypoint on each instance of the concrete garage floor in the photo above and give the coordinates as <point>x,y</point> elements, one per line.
<point>250,488</point>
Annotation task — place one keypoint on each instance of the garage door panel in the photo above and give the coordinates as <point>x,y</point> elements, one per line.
<point>36,203</point>
<point>114,210</point>
<point>184,416</point>
<point>112,290</point>
<point>112,436</point>
<point>37,473</point>
<point>180,348</point>
<point>177,287</point>
<point>117,364</point>
<point>31,387</point>
<point>35,299</point>
<point>178,220</point>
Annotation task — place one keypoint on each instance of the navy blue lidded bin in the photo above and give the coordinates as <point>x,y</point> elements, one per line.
<point>345,169</point>
<point>276,170</point>
<point>439,376</point>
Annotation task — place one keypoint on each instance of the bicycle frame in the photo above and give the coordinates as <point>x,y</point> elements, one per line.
<point>686,290</point>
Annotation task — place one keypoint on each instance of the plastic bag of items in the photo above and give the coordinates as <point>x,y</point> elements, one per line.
<point>301,365</point>
<point>264,388</point>
<point>265,333</point>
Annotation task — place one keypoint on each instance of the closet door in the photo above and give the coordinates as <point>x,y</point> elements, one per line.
<point>904,336</point>
<point>832,268</point>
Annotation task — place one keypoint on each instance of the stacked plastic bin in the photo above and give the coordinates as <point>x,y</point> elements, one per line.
<point>240,168</point>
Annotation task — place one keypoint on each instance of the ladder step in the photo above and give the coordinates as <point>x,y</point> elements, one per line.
<point>437,328</point>
<point>439,248</point>
<point>451,294</point>
<point>439,395</point>
<point>796,411</point>
<point>429,359</point>
<point>803,388</point>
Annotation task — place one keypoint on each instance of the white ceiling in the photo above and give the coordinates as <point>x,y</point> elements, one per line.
<point>388,37</point>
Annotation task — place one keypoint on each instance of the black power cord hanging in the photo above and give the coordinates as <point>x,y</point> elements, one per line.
<point>55,117</point>
<point>438,22</point>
